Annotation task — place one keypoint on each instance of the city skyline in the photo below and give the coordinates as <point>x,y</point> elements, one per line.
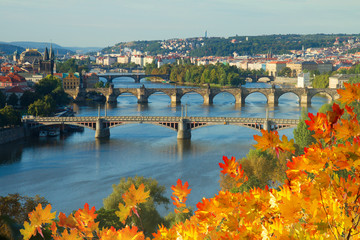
<point>89,23</point>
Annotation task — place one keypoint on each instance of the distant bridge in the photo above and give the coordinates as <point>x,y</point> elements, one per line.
<point>136,76</point>
<point>142,94</point>
<point>183,125</point>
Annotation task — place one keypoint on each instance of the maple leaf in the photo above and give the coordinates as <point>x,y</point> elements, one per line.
<point>350,94</point>
<point>86,215</point>
<point>67,222</point>
<point>135,196</point>
<point>73,235</point>
<point>28,231</point>
<point>123,213</point>
<point>41,216</point>
<point>180,190</point>
<point>130,233</point>
<point>229,166</point>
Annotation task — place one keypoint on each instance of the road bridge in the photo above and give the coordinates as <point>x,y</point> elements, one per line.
<point>136,76</point>
<point>182,125</point>
<point>175,94</point>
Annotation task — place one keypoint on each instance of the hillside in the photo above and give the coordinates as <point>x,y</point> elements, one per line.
<point>242,45</point>
<point>8,49</point>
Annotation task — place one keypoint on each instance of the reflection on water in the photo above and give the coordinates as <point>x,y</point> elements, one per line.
<point>77,168</point>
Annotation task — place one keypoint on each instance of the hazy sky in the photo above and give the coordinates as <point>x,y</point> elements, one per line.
<point>103,23</point>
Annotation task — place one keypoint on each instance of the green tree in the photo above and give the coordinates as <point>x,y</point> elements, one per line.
<point>11,116</point>
<point>99,84</point>
<point>2,99</point>
<point>302,135</point>
<point>213,76</point>
<point>40,108</point>
<point>150,218</point>
<point>27,98</point>
<point>60,96</point>
<point>13,100</point>
<point>321,81</point>
<point>14,210</point>
<point>285,72</point>
<point>46,85</point>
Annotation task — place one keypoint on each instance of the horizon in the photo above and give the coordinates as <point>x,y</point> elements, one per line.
<point>89,23</point>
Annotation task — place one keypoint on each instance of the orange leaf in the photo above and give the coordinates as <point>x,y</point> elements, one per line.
<point>135,196</point>
<point>181,191</point>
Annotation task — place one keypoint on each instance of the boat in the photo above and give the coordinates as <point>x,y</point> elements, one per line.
<point>43,133</point>
<point>54,133</point>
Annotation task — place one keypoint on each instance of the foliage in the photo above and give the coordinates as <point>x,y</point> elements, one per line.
<point>9,116</point>
<point>303,136</point>
<point>13,100</point>
<point>42,107</point>
<point>315,202</point>
<point>263,169</point>
<point>285,72</point>
<point>46,85</point>
<point>28,98</point>
<point>73,65</point>
<point>2,99</point>
<point>100,84</point>
<point>321,81</point>
<point>222,74</point>
<point>14,211</point>
<point>150,218</point>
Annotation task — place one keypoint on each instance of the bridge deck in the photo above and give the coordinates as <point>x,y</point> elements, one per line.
<point>162,118</point>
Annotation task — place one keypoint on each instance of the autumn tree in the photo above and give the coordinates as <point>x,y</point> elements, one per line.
<point>150,218</point>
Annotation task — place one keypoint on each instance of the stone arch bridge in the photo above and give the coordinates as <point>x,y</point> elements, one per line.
<point>142,94</point>
<point>182,125</point>
<point>137,77</point>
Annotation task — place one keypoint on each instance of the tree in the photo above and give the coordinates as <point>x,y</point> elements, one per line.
<point>16,208</point>
<point>99,84</point>
<point>147,211</point>
<point>11,116</point>
<point>40,108</point>
<point>13,99</point>
<point>27,98</point>
<point>321,81</point>
<point>2,99</point>
<point>285,72</point>
<point>302,135</point>
<point>46,85</point>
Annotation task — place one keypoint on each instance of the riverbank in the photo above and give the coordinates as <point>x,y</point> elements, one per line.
<point>11,134</point>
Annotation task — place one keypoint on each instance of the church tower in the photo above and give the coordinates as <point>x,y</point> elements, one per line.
<point>47,64</point>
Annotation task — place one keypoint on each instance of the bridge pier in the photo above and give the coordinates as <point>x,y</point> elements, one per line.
<point>272,100</point>
<point>207,99</point>
<point>267,125</point>
<point>111,99</point>
<point>184,132</point>
<point>239,100</point>
<point>101,130</point>
<point>175,99</point>
<point>304,100</point>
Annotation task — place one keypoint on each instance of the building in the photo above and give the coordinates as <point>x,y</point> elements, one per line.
<point>337,81</point>
<point>123,59</point>
<point>12,79</point>
<point>89,80</point>
<point>324,67</point>
<point>17,90</point>
<point>303,80</point>
<point>109,60</point>
<point>275,67</point>
<point>30,56</point>
<point>71,80</point>
<point>46,65</point>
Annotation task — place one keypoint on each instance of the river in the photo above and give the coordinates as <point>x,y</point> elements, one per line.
<point>74,169</point>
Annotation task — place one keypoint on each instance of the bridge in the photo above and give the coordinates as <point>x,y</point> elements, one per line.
<point>142,94</point>
<point>182,125</point>
<point>136,76</point>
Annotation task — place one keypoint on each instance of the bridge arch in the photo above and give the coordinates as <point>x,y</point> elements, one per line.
<point>171,126</point>
<point>159,91</point>
<point>321,93</point>
<point>256,93</point>
<point>223,93</point>
<point>191,92</point>
<point>287,95</point>
<point>118,78</point>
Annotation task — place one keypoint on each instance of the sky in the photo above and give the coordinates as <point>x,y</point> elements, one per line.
<point>102,23</point>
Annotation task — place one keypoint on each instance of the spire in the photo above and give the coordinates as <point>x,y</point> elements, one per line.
<point>51,54</point>
<point>46,54</point>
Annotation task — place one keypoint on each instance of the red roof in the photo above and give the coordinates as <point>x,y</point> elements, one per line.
<point>12,77</point>
<point>19,89</point>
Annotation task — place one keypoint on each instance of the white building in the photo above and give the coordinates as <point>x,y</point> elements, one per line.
<point>303,80</point>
